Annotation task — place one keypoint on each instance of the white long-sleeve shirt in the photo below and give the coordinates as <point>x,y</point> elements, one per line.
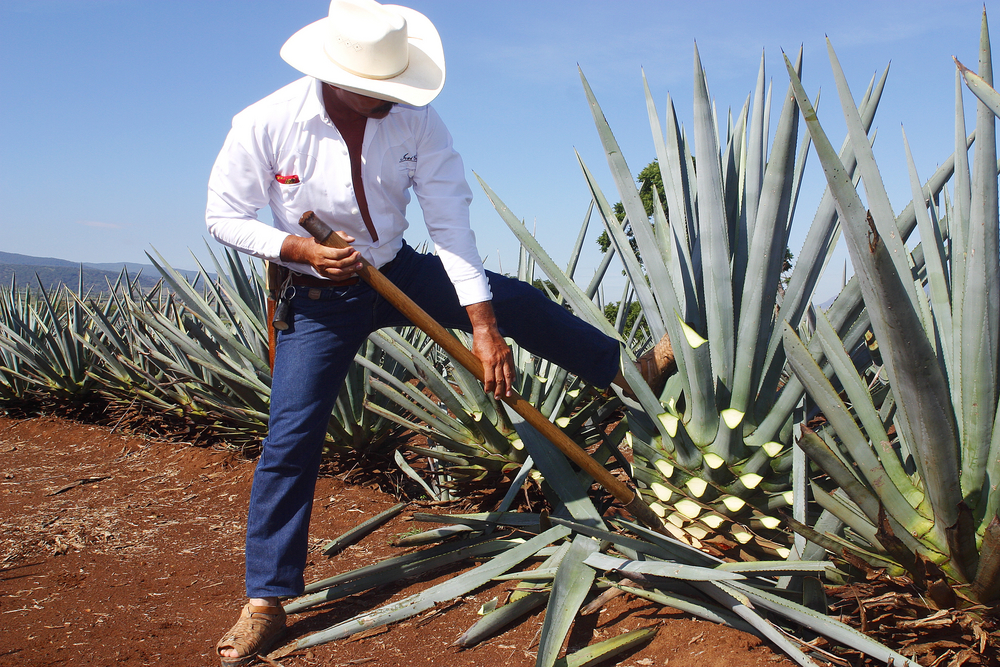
<point>289,134</point>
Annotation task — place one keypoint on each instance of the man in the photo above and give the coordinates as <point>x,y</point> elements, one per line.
<point>348,141</point>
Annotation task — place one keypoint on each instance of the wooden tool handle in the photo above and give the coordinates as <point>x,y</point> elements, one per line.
<point>404,304</point>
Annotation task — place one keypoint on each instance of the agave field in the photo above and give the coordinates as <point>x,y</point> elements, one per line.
<point>795,451</point>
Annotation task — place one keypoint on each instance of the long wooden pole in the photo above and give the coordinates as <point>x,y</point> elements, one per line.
<point>405,305</point>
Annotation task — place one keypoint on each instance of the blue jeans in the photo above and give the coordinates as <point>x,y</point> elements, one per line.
<point>312,359</point>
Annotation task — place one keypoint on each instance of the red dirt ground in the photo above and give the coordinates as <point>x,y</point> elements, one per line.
<point>118,550</point>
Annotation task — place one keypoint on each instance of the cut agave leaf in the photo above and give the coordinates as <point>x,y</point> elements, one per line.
<point>427,599</point>
<point>607,649</point>
<point>659,569</point>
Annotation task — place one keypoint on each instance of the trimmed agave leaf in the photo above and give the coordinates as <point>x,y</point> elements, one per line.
<point>741,606</point>
<point>501,617</point>
<point>607,649</point>
<point>396,569</point>
<point>484,520</point>
<point>526,598</point>
<point>671,570</point>
<point>570,487</point>
<point>537,574</point>
<point>773,567</point>
<point>630,546</point>
<point>430,597</point>
<point>840,633</point>
<point>430,536</point>
<point>412,474</point>
<point>450,550</point>
<point>516,484</point>
<point>691,606</point>
<point>360,531</point>
<point>569,589</point>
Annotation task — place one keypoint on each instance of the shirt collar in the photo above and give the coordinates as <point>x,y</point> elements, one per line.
<point>312,103</point>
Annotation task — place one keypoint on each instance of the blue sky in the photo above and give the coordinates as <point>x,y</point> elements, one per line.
<point>112,111</point>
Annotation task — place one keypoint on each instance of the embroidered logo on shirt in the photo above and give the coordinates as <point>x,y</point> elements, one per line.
<point>408,158</point>
<point>286,180</point>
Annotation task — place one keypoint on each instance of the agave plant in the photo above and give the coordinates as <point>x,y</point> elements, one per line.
<point>189,351</point>
<point>14,307</point>
<point>41,343</point>
<point>712,451</point>
<point>192,350</point>
<point>918,468</point>
<point>222,341</point>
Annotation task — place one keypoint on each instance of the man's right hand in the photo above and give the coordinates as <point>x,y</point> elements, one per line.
<point>332,263</point>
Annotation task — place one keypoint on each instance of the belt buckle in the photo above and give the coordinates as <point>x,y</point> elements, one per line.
<point>314,293</point>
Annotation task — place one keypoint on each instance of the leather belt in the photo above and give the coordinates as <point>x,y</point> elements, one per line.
<point>302,280</point>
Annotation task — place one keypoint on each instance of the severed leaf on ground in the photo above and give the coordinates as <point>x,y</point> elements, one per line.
<point>415,604</point>
<point>357,533</point>
<point>607,649</point>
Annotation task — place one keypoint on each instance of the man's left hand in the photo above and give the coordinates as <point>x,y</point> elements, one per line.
<point>492,350</point>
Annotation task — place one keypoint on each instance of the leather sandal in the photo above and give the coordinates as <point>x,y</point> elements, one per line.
<point>258,629</point>
<point>658,364</point>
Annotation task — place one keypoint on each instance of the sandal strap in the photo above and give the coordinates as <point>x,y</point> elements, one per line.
<point>255,631</point>
<point>270,610</point>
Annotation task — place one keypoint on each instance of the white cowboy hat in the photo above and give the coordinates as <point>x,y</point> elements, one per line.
<point>384,51</point>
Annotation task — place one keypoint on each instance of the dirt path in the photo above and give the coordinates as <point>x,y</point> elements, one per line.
<point>116,550</point>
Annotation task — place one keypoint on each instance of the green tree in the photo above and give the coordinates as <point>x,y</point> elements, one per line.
<point>634,311</point>
<point>647,179</point>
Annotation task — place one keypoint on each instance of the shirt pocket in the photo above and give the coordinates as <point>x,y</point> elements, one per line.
<point>289,192</point>
<point>299,165</point>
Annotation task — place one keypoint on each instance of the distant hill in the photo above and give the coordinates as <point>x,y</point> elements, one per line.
<point>52,271</point>
<point>94,280</point>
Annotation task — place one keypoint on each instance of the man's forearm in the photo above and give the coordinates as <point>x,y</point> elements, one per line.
<point>482,316</point>
<point>491,349</point>
<point>294,249</point>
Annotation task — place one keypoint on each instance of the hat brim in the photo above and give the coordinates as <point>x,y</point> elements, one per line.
<point>417,85</point>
